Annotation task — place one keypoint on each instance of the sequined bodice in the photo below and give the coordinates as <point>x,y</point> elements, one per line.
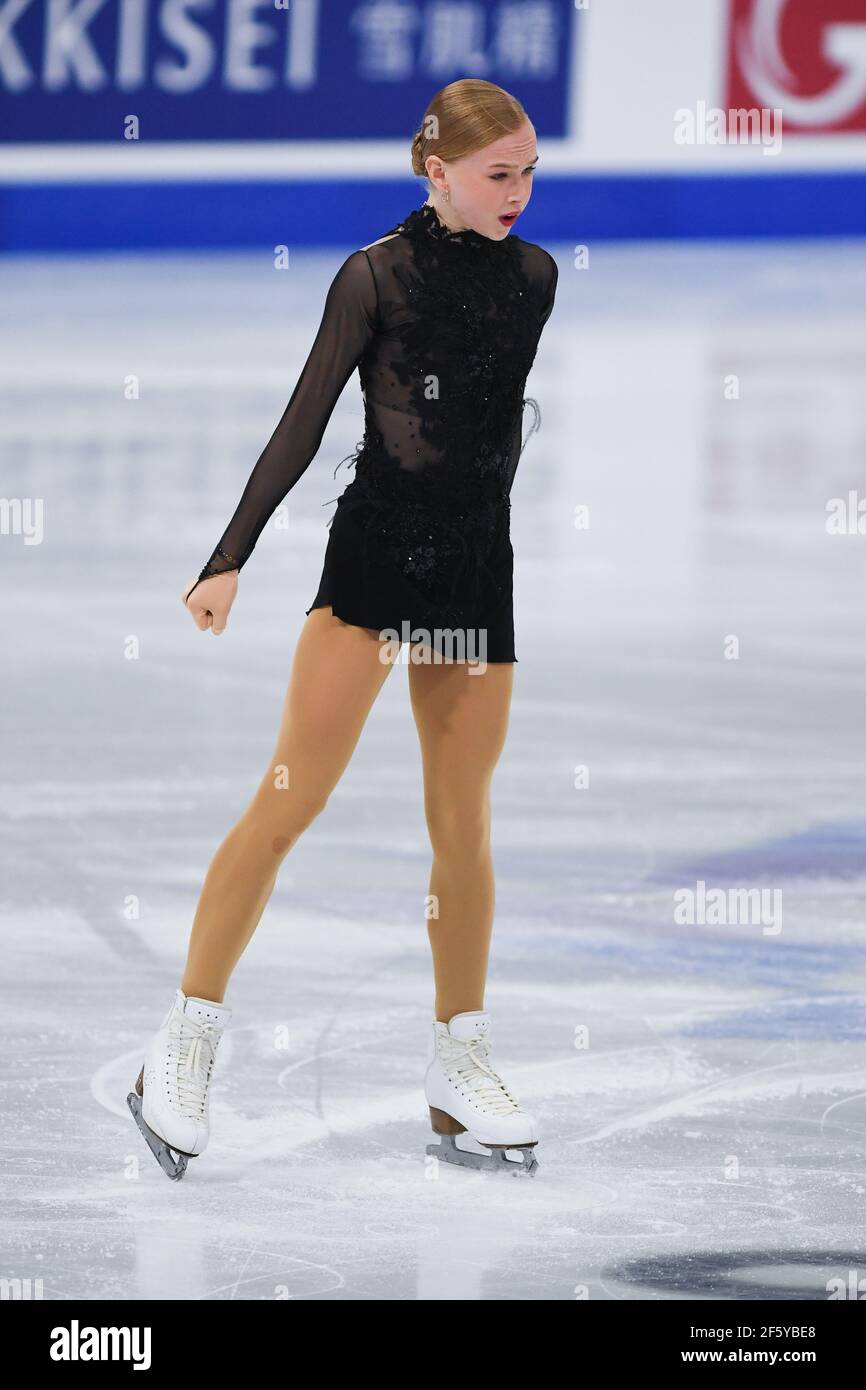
<point>443,327</point>
<point>460,331</point>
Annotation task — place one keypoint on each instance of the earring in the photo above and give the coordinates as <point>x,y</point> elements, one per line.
<point>447,196</point>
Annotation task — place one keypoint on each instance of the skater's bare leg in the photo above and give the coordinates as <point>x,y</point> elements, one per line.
<point>462,722</point>
<point>335,678</point>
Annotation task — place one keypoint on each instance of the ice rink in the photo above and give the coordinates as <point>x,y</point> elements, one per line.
<point>688,709</point>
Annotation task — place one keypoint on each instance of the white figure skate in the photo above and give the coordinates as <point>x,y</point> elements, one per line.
<point>170,1100</point>
<point>464,1093</point>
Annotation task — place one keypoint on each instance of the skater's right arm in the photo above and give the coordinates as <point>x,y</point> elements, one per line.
<point>349,321</point>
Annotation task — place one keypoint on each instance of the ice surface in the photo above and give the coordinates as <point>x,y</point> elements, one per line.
<point>709,1139</point>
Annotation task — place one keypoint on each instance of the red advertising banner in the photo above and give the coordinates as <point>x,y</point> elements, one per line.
<point>807,57</point>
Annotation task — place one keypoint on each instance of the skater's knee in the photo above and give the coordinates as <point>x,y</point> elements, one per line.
<point>282,817</point>
<point>458,829</point>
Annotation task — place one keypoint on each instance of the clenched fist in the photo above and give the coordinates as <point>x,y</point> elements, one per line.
<point>210,601</point>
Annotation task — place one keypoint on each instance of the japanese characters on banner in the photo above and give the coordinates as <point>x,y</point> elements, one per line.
<point>266,70</point>
<point>324,88</point>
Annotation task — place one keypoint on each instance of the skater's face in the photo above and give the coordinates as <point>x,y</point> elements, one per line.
<point>487,185</point>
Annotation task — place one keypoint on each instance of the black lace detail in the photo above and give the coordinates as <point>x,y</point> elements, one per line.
<point>465,352</point>
<point>426,218</point>
<point>443,326</point>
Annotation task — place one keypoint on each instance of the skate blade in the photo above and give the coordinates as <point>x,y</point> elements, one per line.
<point>495,1161</point>
<point>171,1166</point>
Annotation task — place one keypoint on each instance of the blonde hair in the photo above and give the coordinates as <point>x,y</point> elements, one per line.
<point>462,118</point>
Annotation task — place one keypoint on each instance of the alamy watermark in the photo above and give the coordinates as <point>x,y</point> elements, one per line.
<point>21,1290</point>
<point>422,646</point>
<point>23,516</point>
<point>77,1343</point>
<point>719,907</point>
<point>742,125</point>
<point>846,516</point>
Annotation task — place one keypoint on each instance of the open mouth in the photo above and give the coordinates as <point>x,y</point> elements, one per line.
<point>509,219</point>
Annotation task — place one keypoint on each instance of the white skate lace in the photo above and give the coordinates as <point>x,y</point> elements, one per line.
<point>193,1046</point>
<point>468,1060</point>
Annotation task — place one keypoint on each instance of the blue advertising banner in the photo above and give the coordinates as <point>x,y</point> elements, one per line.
<point>75,71</point>
<point>221,123</point>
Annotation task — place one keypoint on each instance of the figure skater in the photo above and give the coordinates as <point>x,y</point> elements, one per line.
<point>442,316</point>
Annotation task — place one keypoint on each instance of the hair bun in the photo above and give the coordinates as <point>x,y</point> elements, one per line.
<point>467,115</point>
<point>417,141</point>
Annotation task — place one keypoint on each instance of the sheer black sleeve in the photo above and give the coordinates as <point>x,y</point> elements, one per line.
<point>348,323</point>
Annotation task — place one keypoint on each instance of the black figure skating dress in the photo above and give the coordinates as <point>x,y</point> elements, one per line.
<point>443,327</point>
